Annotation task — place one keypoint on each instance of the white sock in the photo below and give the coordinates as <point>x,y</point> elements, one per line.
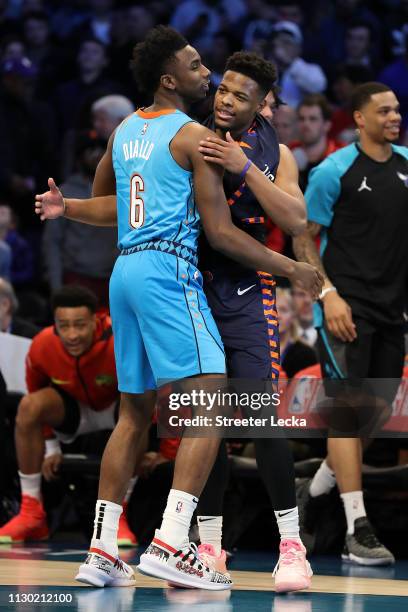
<point>177,518</point>
<point>31,485</point>
<point>353,507</point>
<point>130,488</point>
<point>210,530</point>
<point>323,481</point>
<point>288,523</point>
<point>106,523</point>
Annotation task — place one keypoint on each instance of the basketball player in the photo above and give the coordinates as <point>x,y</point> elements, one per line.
<point>162,325</point>
<point>243,301</point>
<point>357,199</point>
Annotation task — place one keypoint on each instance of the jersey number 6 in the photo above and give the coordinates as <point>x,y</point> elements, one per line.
<point>137,212</point>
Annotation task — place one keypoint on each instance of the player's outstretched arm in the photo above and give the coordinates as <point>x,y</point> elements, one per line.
<point>99,210</point>
<point>223,235</point>
<point>282,200</point>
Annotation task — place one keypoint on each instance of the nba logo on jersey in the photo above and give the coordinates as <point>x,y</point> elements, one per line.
<point>146,125</point>
<point>179,506</point>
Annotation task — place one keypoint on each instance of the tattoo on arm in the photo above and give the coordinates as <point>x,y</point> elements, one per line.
<point>305,248</point>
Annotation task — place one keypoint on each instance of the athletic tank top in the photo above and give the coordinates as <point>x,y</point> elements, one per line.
<point>155,200</point>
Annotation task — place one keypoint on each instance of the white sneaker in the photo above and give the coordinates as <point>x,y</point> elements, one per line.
<point>101,569</point>
<point>181,567</point>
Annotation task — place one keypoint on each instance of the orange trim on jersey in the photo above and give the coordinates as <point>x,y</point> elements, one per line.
<point>244,145</point>
<point>153,115</point>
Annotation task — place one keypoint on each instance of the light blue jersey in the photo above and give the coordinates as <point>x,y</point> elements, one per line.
<point>163,327</point>
<point>155,199</point>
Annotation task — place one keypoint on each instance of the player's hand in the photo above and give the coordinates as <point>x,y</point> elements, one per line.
<point>308,278</point>
<point>225,153</point>
<point>338,317</point>
<point>50,205</point>
<point>50,466</point>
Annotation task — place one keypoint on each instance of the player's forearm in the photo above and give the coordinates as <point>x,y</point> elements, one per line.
<point>286,211</point>
<point>237,245</point>
<point>93,211</point>
<point>305,250</point>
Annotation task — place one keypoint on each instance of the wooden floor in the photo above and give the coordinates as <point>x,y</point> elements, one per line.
<point>61,573</point>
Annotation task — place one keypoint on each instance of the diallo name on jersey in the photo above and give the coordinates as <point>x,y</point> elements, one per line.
<point>137,148</point>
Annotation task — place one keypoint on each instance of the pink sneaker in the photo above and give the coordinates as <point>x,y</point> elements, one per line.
<point>207,555</point>
<point>292,571</point>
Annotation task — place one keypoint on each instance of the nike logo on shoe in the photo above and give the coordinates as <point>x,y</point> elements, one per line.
<point>283,513</point>
<point>242,291</point>
<point>203,520</point>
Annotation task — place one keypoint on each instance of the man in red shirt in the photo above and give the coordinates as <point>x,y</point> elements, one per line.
<point>314,145</point>
<point>72,390</point>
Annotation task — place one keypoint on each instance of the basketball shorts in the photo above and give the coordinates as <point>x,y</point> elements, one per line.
<point>80,419</point>
<point>244,309</point>
<point>377,353</point>
<point>162,325</point>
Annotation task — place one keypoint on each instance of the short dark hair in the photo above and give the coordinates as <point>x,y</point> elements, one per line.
<point>255,67</point>
<point>74,296</point>
<point>362,94</point>
<point>317,100</point>
<point>152,55</point>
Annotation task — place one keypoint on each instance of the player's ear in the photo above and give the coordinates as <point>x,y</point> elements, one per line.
<point>168,81</point>
<point>261,105</point>
<point>358,118</point>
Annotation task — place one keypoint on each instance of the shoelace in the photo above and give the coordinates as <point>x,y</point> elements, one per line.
<point>367,537</point>
<point>195,560</point>
<point>287,558</point>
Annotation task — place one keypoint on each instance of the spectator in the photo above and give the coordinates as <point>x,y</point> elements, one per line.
<point>285,123</point>
<point>22,256</point>
<point>108,112</point>
<point>395,75</point>
<point>5,259</point>
<point>303,307</point>
<point>25,123</point>
<point>200,20</point>
<point>74,99</point>
<point>10,322</point>
<point>72,388</point>
<point>297,77</point>
<point>346,79</point>
<point>99,23</point>
<point>12,48</point>
<point>313,127</point>
<point>76,253</point>
<point>358,45</point>
<point>295,354</point>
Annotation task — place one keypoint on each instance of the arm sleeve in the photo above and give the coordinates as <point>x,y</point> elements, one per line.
<point>309,77</point>
<point>322,192</point>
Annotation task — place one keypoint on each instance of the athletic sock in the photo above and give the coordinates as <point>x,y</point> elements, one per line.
<point>288,523</point>
<point>323,481</point>
<point>105,534</point>
<point>130,488</point>
<point>210,530</point>
<point>31,485</point>
<point>177,518</point>
<point>353,507</point>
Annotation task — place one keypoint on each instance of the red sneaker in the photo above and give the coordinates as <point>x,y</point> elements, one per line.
<point>126,537</point>
<point>29,524</point>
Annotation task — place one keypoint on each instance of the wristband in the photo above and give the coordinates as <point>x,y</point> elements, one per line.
<point>52,447</point>
<point>326,291</point>
<point>245,169</point>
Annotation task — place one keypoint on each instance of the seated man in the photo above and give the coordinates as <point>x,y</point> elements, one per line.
<point>72,384</point>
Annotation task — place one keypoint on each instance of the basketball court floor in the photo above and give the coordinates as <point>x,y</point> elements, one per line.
<point>40,577</point>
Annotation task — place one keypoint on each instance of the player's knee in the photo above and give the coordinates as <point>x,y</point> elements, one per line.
<point>29,412</point>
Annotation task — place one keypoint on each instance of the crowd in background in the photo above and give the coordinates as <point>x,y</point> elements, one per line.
<point>65,84</point>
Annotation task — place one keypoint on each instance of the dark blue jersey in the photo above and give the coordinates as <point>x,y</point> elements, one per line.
<point>261,146</point>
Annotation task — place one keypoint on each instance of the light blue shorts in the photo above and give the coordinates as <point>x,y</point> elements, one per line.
<point>162,325</point>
